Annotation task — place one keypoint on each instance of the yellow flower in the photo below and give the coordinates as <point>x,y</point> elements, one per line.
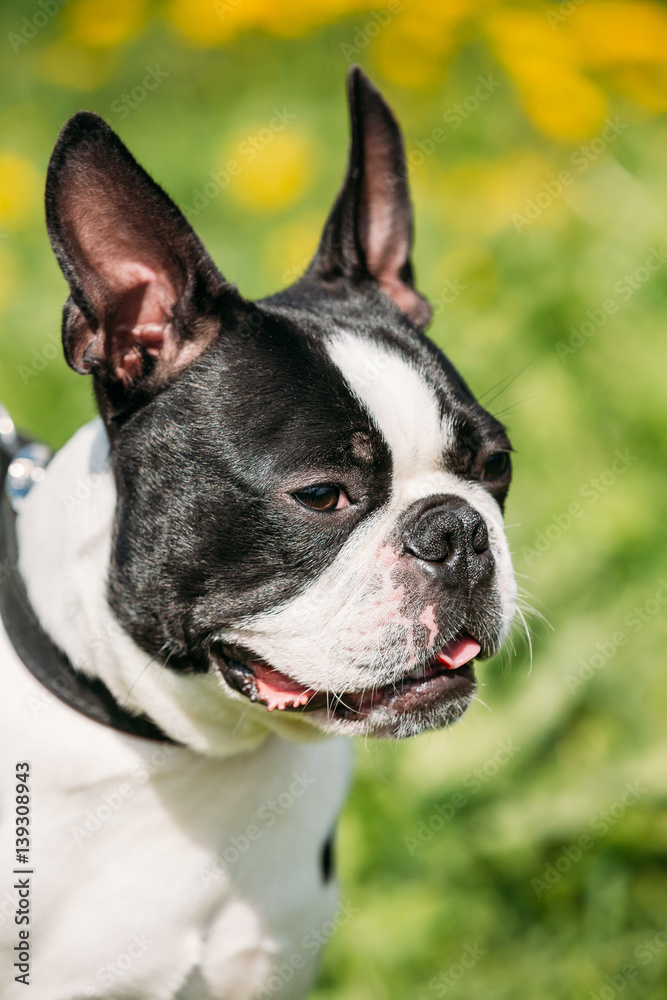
<point>561,101</point>
<point>72,66</point>
<point>275,168</point>
<point>99,23</point>
<point>213,22</point>
<point>612,32</point>
<point>647,85</point>
<point>411,53</point>
<point>20,191</point>
<point>413,46</point>
<point>290,248</point>
<point>210,22</point>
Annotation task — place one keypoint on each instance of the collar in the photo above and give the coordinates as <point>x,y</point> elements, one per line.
<point>38,652</point>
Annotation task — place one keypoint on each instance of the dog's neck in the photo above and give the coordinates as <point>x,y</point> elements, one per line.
<point>64,531</point>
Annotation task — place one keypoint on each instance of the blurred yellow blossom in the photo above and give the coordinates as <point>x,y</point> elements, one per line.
<point>414,46</point>
<point>290,248</point>
<point>646,85</point>
<point>627,42</point>
<point>275,168</point>
<point>213,22</point>
<point>556,95</point>
<point>612,32</point>
<point>564,58</point>
<point>478,197</point>
<point>20,191</point>
<point>100,24</point>
<point>75,67</point>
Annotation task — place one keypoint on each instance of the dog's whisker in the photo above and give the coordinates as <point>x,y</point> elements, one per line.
<point>477,698</point>
<point>150,662</point>
<point>502,385</point>
<point>528,639</point>
<point>512,408</point>
<point>524,603</point>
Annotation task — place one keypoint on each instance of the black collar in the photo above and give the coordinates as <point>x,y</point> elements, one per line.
<point>41,656</point>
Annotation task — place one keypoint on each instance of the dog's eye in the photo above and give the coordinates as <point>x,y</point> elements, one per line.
<point>322,497</point>
<point>496,466</point>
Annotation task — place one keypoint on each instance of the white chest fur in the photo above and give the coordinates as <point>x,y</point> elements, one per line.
<point>159,871</point>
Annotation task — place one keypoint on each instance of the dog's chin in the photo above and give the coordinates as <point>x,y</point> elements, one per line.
<point>429,697</point>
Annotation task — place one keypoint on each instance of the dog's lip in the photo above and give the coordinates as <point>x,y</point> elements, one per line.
<point>445,673</point>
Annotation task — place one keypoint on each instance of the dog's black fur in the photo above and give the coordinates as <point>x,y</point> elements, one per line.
<point>234,406</point>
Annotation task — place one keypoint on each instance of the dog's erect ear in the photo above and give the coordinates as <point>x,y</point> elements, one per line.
<point>369,231</point>
<point>144,292</point>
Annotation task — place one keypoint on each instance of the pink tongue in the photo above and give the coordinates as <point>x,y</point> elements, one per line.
<point>457,652</point>
<point>278,690</point>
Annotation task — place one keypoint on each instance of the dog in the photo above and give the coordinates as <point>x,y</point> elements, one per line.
<point>284,528</point>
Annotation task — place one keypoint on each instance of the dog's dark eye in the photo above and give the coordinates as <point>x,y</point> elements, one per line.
<point>496,466</point>
<point>324,497</point>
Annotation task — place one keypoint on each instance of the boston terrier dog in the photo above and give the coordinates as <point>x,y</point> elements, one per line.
<point>285,528</point>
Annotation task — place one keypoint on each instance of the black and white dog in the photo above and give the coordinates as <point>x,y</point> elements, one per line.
<point>286,528</point>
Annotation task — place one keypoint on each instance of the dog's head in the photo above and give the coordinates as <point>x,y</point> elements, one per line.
<point>309,496</point>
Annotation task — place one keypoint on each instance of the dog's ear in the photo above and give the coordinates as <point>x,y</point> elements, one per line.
<point>144,292</point>
<point>369,232</point>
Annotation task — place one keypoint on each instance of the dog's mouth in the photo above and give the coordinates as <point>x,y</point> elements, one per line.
<point>448,674</point>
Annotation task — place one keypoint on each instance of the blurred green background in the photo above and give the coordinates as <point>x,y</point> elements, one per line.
<point>520,855</point>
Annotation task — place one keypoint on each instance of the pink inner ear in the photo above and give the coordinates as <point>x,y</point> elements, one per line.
<point>384,222</point>
<point>143,316</point>
<point>407,299</point>
<point>383,232</point>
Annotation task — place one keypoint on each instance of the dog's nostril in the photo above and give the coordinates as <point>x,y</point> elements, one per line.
<point>435,537</point>
<point>450,538</point>
<point>480,538</point>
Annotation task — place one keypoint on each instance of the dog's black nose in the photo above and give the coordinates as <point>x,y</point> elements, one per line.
<point>450,538</point>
